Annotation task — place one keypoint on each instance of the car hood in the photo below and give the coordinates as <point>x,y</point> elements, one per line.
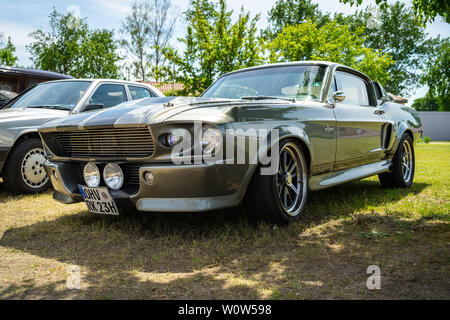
<point>34,115</point>
<point>145,111</point>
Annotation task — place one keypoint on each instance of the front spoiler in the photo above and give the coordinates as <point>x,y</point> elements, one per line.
<point>177,188</point>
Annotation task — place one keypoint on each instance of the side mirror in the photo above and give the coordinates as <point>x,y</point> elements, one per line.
<point>91,107</point>
<point>338,96</point>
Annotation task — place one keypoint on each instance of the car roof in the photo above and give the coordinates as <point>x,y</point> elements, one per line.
<point>32,72</point>
<point>96,81</point>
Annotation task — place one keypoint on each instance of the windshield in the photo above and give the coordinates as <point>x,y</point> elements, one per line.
<point>293,82</point>
<point>52,95</point>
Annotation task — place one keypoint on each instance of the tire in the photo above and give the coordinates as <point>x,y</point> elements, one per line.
<point>24,171</point>
<point>266,197</point>
<point>403,166</point>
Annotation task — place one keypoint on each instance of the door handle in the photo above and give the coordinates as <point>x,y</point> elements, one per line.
<point>379,112</point>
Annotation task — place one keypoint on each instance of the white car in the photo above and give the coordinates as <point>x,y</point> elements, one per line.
<point>21,154</point>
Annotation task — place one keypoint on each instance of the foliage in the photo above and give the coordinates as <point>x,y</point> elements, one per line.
<point>214,45</point>
<point>425,140</point>
<point>174,93</point>
<point>331,42</point>
<point>437,77</point>
<point>425,10</point>
<point>7,49</point>
<point>72,48</point>
<point>148,30</point>
<point>291,12</point>
<point>426,104</point>
<point>400,36</point>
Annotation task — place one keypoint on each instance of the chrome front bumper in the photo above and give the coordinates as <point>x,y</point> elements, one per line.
<point>177,188</point>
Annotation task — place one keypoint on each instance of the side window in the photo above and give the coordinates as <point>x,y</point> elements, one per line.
<point>355,89</point>
<point>109,95</point>
<point>139,92</point>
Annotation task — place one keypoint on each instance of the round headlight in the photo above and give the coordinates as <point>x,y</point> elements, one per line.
<point>173,139</point>
<point>113,176</point>
<point>211,138</point>
<point>91,175</point>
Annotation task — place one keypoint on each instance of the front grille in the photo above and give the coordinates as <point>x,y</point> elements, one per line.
<point>131,142</point>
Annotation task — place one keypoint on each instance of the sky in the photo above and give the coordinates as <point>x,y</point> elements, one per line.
<point>18,18</point>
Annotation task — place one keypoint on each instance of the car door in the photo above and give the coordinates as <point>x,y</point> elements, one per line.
<point>108,95</point>
<point>360,123</point>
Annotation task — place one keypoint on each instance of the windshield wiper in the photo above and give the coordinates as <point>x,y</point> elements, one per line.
<point>266,98</point>
<point>52,106</point>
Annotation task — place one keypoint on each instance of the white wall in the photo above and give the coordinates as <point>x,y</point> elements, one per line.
<point>436,125</point>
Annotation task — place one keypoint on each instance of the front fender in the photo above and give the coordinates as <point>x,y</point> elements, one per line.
<point>271,141</point>
<point>285,132</point>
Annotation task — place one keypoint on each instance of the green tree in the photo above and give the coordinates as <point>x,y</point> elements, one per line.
<point>214,45</point>
<point>291,12</point>
<point>147,31</point>
<point>136,27</point>
<point>331,42</point>
<point>437,75</point>
<point>72,48</point>
<point>425,10</point>
<point>426,104</point>
<point>99,55</point>
<point>162,25</point>
<point>7,49</point>
<point>399,35</point>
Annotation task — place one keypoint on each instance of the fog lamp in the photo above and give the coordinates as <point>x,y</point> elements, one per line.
<point>113,176</point>
<point>149,178</point>
<point>91,175</point>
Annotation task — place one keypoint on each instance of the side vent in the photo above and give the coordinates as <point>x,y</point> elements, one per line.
<point>386,136</point>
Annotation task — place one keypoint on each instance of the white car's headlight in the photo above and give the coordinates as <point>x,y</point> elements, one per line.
<point>91,175</point>
<point>211,139</point>
<point>113,176</point>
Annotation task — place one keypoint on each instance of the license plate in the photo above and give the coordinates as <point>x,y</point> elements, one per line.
<point>99,200</point>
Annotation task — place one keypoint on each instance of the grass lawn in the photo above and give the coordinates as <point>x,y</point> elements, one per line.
<point>224,255</point>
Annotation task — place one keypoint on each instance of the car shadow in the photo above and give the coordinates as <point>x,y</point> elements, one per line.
<point>220,254</point>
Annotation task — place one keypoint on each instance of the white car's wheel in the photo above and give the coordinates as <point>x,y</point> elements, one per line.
<point>24,170</point>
